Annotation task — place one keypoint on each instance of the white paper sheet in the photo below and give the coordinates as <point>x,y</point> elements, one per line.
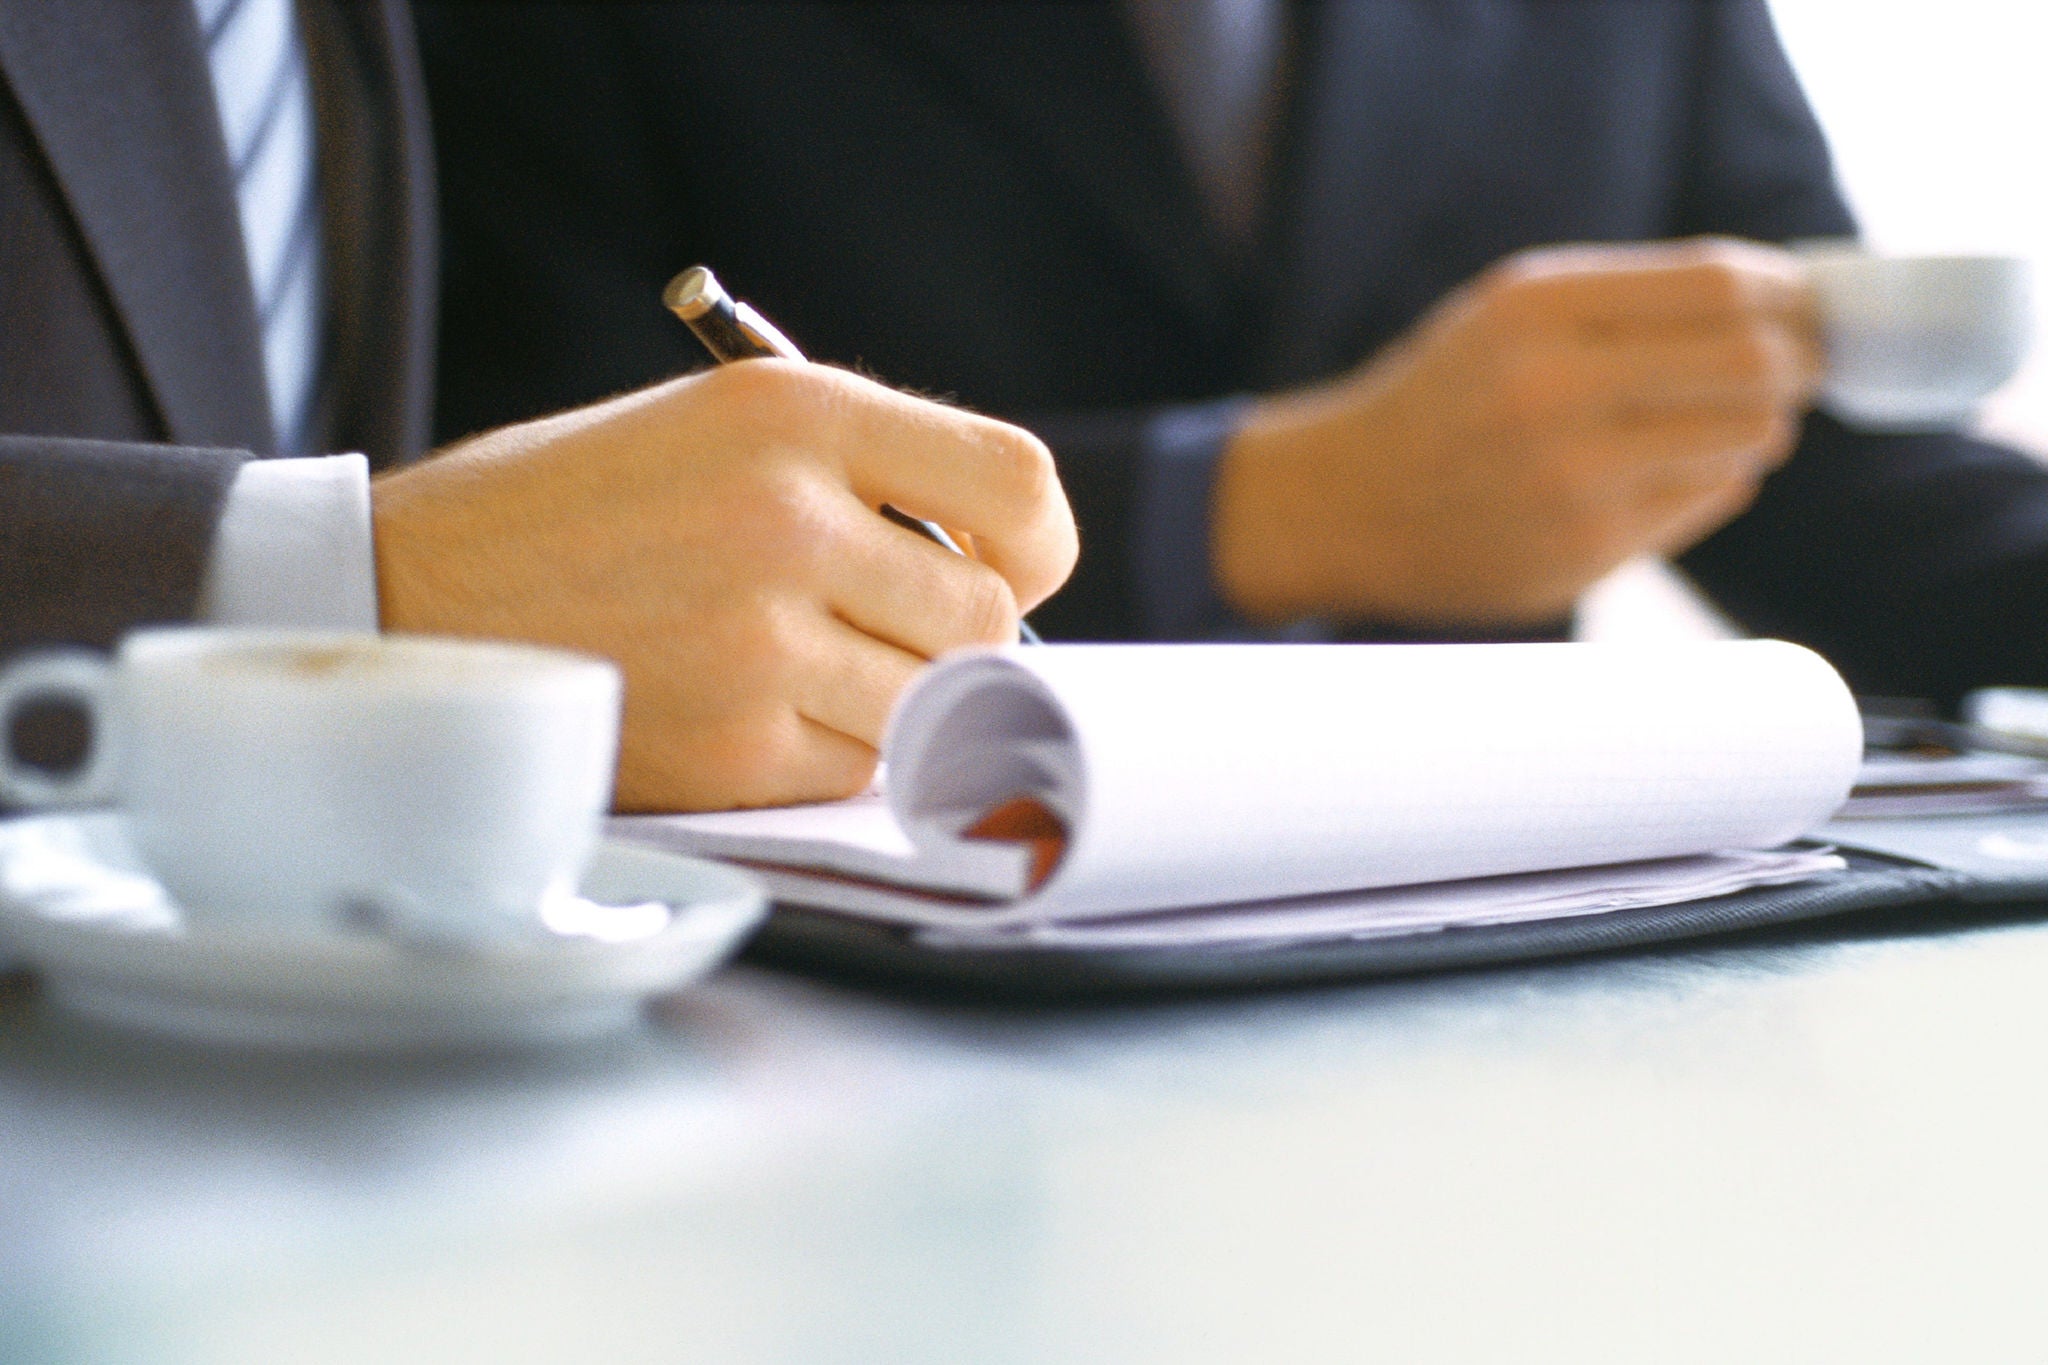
<point>1526,897</point>
<point>1894,786</point>
<point>1209,774</point>
<point>858,837</point>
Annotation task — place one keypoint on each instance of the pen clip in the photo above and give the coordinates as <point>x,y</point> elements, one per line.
<point>763,333</point>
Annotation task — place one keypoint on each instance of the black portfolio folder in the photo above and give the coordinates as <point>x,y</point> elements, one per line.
<point>1947,868</point>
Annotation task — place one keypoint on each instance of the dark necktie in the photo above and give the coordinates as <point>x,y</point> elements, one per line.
<point>1217,64</point>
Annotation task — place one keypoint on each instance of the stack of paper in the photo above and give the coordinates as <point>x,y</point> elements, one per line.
<point>1206,794</point>
<point>1896,785</point>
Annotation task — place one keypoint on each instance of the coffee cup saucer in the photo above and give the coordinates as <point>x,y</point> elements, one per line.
<point>78,907</point>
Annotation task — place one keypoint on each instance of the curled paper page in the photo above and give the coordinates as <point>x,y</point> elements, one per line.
<point>1208,774</point>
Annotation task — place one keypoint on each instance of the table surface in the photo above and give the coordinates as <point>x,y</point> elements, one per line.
<point>1800,1146</point>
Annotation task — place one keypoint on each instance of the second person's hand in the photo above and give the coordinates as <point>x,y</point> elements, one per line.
<point>1567,410</point>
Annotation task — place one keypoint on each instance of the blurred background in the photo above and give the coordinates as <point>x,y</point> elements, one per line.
<point>1937,111</point>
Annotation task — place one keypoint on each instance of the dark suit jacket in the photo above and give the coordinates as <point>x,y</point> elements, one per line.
<point>131,378</point>
<point>986,201</point>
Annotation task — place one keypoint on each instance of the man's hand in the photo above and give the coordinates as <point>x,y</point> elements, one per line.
<point>717,537</point>
<point>1567,410</point>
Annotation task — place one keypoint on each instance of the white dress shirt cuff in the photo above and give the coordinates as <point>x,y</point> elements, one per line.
<point>293,548</point>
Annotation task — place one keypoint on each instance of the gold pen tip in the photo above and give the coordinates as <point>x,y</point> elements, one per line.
<point>693,293</point>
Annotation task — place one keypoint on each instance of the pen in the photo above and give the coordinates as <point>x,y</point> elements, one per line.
<point>732,330</point>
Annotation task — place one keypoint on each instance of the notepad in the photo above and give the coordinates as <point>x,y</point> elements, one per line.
<point>1211,792</point>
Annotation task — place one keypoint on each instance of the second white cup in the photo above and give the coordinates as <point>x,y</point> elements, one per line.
<point>1916,342</point>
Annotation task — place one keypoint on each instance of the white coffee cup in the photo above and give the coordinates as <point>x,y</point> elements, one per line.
<point>294,782</point>
<point>1916,342</point>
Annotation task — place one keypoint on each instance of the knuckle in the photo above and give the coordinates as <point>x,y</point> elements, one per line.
<point>1730,270</point>
<point>1500,292</point>
<point>1788,361</point>
<point>1711,249</point>
<point>1066,551</point>
<point>1762,429</point>
<point>1740,496</point>
<point>1023,467</point>
<point>988,609</point>
<point>1717,267</point>
<point>759,641</point>
<point>758,380</point>
<point>1717,504</point>
<point>770,400</point>
<point>1753,430</point>
<point>1515,272</point>
<point>1723,283</point>
<point>790,527</point>
<point>1523,290</point>
<point>1777,434</point>
<point>772,756</point>
<point>846,771</point>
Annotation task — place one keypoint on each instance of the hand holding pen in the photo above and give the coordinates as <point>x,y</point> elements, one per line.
<point>732,330</point>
